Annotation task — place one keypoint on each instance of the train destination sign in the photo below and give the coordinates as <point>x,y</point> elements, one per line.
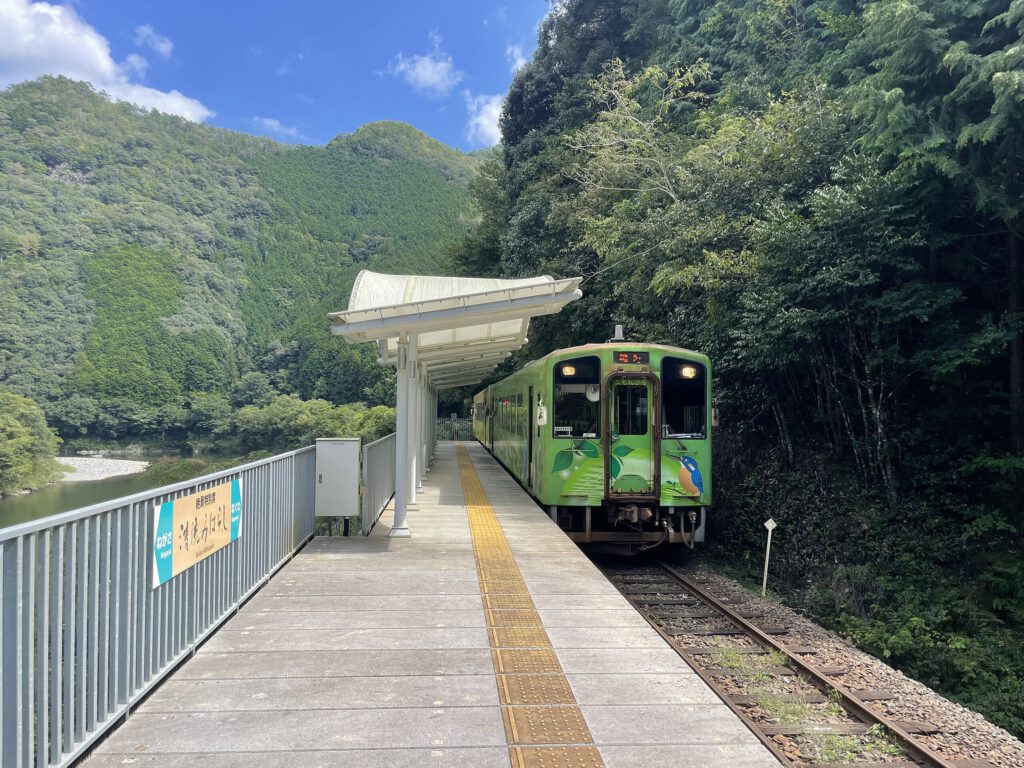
<point>190,529</point>
<point>631,358</point>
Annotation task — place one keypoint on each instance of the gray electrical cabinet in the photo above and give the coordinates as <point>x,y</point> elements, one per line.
<point>338,473</point>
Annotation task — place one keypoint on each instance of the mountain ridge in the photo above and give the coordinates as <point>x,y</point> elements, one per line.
<point>242,242</point>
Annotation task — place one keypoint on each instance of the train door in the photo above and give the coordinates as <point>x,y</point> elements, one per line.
<point>634,467</point>
<point>531,429</point>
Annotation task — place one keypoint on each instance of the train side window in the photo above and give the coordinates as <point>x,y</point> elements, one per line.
<point>576,398</point>
<point>684,398</point>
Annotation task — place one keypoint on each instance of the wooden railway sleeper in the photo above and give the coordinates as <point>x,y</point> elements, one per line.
<point>850,701</point>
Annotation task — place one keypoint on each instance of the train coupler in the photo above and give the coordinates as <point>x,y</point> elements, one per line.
<point>631,514</point>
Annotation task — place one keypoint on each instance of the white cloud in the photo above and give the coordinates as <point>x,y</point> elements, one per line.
<point>292,65</point>
<point>433,74</point>
<point>44,39</point>
<point>484,112</point>
<point>171,102</point>
<point>277,128</point>
<point>514,56</point>
<point>137,64</point>
<point>147,37</point>
<point>500,16</point>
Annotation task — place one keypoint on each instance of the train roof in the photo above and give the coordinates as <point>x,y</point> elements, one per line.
<point>584,348</point>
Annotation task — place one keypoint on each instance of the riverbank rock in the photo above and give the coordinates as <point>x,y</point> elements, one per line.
<point>86,468</point>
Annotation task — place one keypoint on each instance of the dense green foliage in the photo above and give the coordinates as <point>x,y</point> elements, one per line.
<point>27,445</point>
<point>278,425</point>
<point>826,197</point>
<point>157,275</point>
<point>287,421</point>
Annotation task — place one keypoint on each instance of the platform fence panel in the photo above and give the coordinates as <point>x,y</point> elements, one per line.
<point>378,480</point>
<point>454,429</point>
<point>84,635</point>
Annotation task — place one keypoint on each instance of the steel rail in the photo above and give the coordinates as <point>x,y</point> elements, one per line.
<point>851,702</point>
<point>737,710</point>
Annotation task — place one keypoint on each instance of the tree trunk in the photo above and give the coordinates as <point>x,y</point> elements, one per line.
<point>1016,351</point>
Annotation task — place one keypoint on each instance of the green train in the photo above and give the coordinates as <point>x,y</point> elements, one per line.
<point>613,440</point>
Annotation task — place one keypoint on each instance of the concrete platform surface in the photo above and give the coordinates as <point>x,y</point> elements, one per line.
<point>376,652</point>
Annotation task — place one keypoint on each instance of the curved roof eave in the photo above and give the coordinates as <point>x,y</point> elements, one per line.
<point>466,325</point>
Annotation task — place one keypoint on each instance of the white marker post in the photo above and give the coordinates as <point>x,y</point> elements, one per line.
<point>770,525</point>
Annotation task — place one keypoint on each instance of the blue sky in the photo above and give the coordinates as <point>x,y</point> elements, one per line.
<point>297,72</point>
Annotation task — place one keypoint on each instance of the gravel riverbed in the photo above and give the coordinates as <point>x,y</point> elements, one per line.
<point>85,468</point>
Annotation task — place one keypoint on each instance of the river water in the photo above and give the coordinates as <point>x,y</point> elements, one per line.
<point>63,497</point>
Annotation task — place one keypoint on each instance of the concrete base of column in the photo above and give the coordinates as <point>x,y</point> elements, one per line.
<point>399,533</point>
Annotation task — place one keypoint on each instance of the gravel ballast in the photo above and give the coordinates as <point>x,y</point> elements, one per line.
<point>965,733</point>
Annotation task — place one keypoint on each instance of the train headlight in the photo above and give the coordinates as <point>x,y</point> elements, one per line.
<point>688,372</point>
<point>568,370</point>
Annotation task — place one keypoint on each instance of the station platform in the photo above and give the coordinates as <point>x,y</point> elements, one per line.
<point>486,640</point>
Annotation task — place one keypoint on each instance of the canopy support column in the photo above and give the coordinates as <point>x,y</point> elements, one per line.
<point>421,441</point>
<point>433,422</point>
<point>400,529</point>
<point>412,454</point>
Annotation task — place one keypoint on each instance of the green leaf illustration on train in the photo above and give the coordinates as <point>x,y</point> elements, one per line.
<point>613,440</point>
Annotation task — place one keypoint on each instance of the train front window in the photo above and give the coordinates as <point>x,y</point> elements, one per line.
<point>631,408</point>
<point>576,402</point>
<point>684,398</point>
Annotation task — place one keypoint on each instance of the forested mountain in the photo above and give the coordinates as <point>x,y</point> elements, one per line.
<point>826,197</point>
<point>156,274</point>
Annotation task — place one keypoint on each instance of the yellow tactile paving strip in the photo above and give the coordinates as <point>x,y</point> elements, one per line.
<point>543,724</point>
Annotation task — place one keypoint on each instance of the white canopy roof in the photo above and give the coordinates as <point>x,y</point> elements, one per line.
<point>463,326</point>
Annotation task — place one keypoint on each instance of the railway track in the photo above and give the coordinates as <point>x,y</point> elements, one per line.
<point>801,711</point>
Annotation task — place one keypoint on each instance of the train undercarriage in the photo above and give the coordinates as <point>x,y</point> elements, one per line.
<point>630,527</point>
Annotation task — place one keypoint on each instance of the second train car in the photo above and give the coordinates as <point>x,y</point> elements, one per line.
<point>613,440</point>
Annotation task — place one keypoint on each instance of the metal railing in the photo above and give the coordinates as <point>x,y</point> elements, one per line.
<point>454,429</point>
<point>378,479</point>
<point>84,637</point>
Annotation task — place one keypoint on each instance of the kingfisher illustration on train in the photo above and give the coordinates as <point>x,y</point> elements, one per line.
<point>613,440</point>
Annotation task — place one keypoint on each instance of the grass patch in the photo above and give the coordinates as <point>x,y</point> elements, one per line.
<point>752,665</point>
<point>730,658</point>
<point>785,712</point>
<point>880,740</point>
<point>835,749</point>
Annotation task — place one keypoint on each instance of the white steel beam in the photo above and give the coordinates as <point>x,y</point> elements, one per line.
<point>412,455</point>
<point>462,362</point>
<point>456,349</point>
<point>400,528</point>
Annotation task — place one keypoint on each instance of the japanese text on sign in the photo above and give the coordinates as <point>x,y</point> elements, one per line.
<point>190,529</point>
